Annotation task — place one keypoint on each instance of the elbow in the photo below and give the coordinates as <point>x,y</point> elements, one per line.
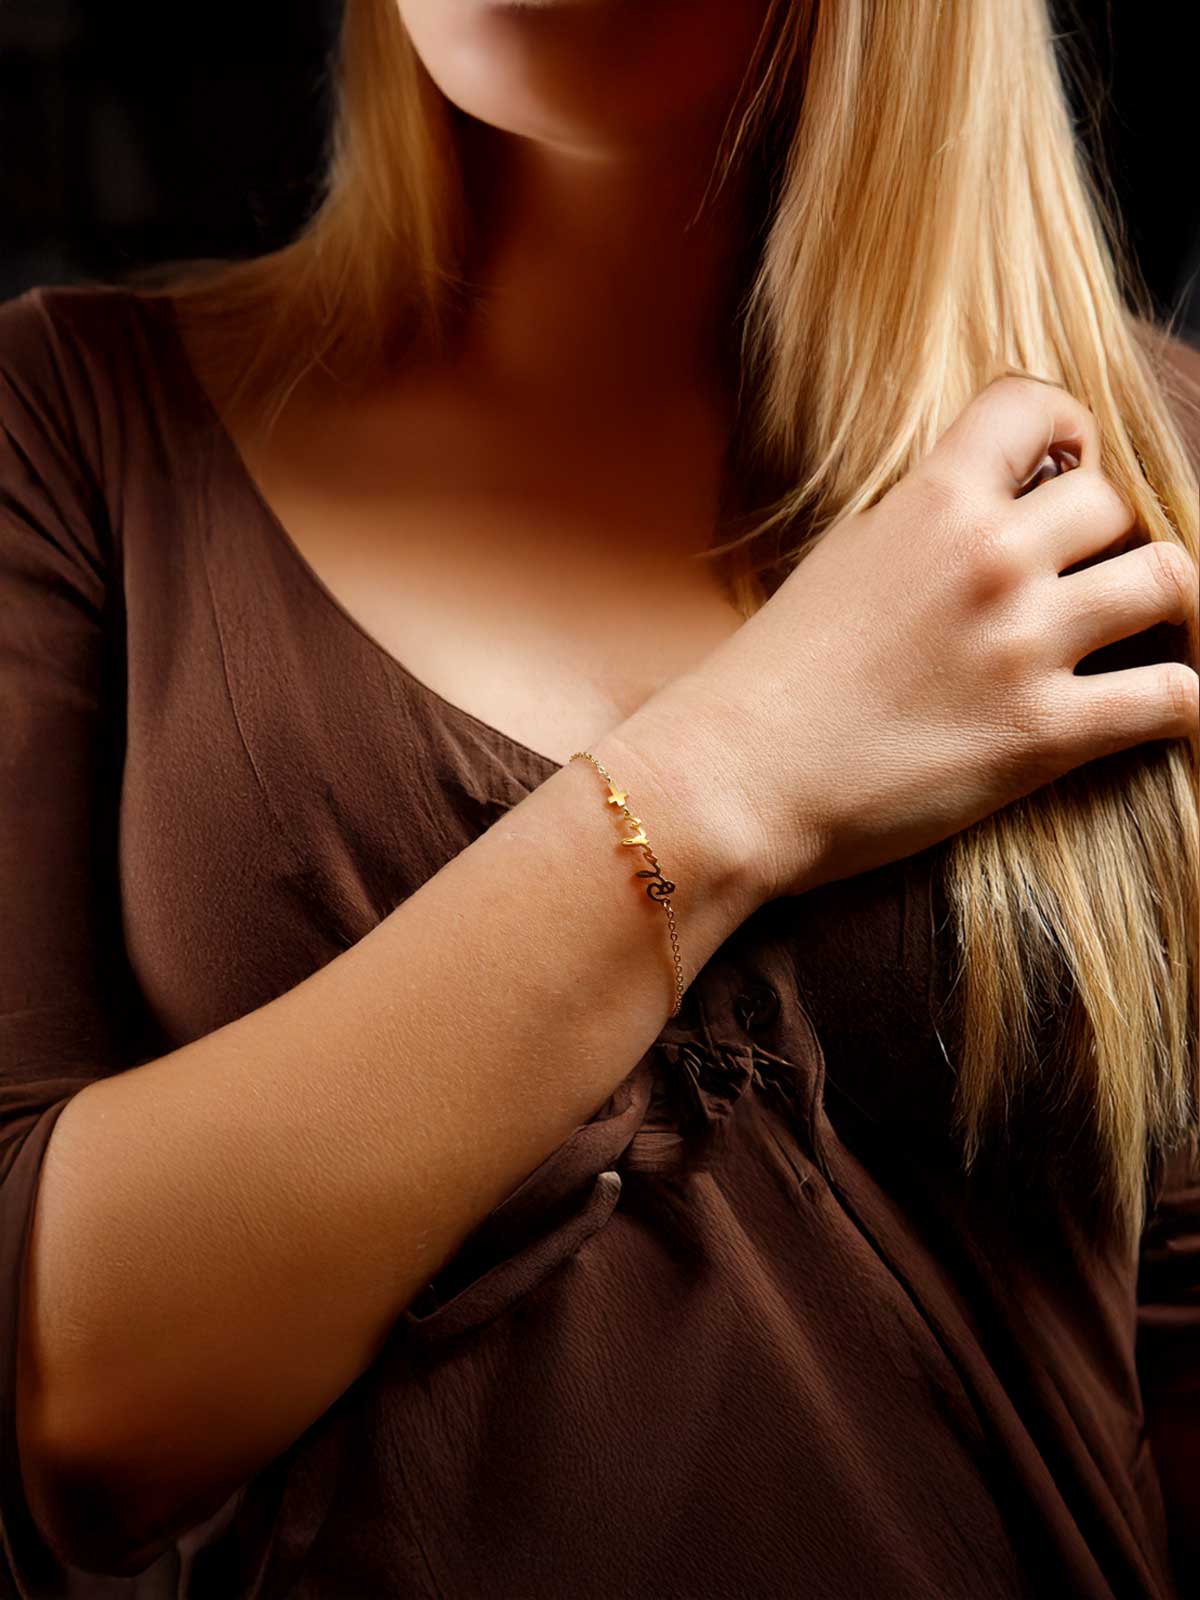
<point>72,1507</point>
<point>96,1506</point>
<point>110,1512</point>
<point>79,1511</point>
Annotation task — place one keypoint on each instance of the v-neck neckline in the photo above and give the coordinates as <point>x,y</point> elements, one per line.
<point>235,465</point>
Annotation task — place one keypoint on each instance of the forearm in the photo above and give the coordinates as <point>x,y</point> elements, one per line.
<point>264,1202</point>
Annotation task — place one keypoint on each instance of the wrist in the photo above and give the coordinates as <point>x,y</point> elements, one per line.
<point>676,772</point>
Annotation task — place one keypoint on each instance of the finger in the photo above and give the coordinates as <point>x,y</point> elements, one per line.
<point>1072,517</point>
<point>1104,712</point>
<point>1155,583</point>
<point>1000,437</point>
<point>1058,459</point>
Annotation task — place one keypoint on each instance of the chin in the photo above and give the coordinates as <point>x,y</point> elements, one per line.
<point>596,75</point>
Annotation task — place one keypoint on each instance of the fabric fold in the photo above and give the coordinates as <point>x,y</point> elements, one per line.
<point>667,1120</point>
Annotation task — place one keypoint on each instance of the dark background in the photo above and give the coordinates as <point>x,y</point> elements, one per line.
<point>134,132</point>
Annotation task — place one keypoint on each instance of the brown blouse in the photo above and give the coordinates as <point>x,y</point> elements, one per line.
<point>747,1332</point>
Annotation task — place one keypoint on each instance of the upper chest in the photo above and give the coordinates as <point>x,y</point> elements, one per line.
<point>542,570</point>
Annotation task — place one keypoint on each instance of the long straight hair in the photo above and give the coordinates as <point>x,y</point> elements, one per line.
<point>926,221</point>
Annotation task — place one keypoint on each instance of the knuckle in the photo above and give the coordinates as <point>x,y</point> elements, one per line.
<point>1181,692</point>
<point>1037,731</point>
<point>1015,648</point>
<point>997,567</point>
<point>1021,383</point>
<point>1174,572</point>
<point>942,489</point>
<point>1002,383</point>
<point>1099,500</point>
<point>943,498</point>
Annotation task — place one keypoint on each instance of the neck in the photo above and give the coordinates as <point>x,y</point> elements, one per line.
<point>599,275</point>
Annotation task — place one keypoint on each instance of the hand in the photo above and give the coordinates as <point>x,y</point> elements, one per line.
<point>915,672</point>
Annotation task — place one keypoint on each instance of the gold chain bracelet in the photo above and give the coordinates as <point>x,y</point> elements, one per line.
<point>660,887</point>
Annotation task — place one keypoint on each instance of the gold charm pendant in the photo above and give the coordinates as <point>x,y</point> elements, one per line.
<point>659,887</point>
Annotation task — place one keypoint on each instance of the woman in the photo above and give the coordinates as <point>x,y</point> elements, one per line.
<point>638,465</point>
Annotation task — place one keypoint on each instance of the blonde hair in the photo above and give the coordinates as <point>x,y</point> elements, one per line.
<point>927,222</point>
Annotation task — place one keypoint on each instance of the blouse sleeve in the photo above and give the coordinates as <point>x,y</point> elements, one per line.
<point>1168,1291</point>
<point>1168,1351</point>
<point>61,743</point>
